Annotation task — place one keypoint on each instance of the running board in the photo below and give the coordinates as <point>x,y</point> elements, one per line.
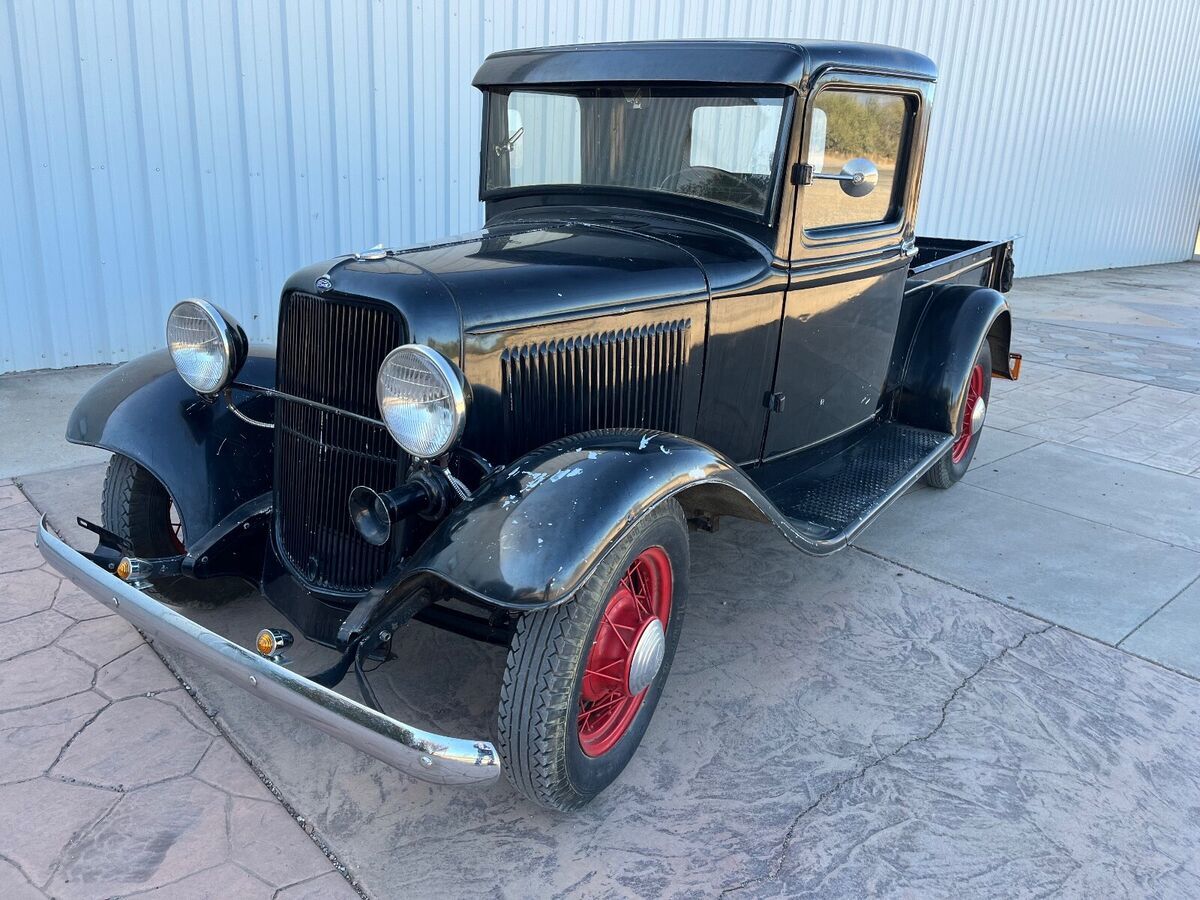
<point>832,499</point>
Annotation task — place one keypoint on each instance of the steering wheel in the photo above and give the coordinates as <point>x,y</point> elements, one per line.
<point>711,183</point>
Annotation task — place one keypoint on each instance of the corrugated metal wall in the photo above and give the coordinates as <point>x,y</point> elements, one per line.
<point>153,150</point>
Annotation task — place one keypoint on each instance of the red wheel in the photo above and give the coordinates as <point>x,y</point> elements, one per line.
<point>967,428</point>
<point>583,677</point>
<point>626,652</point>
<point>175,522</point>
<point>976,394</point>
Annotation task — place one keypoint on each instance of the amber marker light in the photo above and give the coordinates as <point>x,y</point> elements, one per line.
<point>124,568</point>
<point>266,642</point>
<point>271,640</point>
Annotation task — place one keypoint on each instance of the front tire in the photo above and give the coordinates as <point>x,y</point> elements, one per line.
<point>953,466</point>
<point>137,508</point>
<point>583,678</point>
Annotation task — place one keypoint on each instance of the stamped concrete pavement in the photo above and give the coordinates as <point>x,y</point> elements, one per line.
<point>114,780</point>
<point>995,692</point>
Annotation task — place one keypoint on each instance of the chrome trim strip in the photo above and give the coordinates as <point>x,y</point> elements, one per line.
<point>921,285</point>
<point>334,263</point>
<point>271,392</point>
<point>233,408</point>
<point>428,757</point>
<point>990,247</point>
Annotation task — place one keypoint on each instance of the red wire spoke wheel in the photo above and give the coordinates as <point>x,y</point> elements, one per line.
<point>583,677</point>
<point>626,653</point>
<point>967,430</point>
<point>175,521</point>
<point>953,466</point>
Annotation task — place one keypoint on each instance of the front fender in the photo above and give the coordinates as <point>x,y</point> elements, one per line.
<point>534,531</point>
<point>210,461</point>
<point>956,320</point>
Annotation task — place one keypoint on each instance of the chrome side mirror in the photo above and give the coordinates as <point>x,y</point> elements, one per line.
<point>858,177</point>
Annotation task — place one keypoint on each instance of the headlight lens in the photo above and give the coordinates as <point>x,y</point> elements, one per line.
<point>203,345</point>
<point>421,399</point>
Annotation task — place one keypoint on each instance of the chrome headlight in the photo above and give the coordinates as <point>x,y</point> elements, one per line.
<point>421,399</point>
<point>207,345</point>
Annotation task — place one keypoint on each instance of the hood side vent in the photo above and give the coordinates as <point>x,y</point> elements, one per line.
<point>629,378</point>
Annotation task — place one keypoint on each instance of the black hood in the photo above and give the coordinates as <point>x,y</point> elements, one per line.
<point>588,262</point>
<point>520,273</point>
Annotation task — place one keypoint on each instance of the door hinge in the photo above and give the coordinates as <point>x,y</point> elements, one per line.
<point>802,173</point>
<point>774,400</point>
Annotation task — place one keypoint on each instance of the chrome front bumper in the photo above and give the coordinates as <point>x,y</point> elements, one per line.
<point>429,757</point>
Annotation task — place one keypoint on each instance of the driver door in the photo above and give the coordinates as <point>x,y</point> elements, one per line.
<point>851,250</point>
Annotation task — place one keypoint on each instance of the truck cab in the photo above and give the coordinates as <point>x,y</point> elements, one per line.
<point>698,292</point>
<point>805,270</point>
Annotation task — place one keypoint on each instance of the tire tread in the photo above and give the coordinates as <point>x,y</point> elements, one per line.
<point>539,680</point>
<point>945,473</point>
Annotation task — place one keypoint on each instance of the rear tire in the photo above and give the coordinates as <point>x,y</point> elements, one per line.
<point>137,508</point>
<point>567,726</point>
<point>953,466</point>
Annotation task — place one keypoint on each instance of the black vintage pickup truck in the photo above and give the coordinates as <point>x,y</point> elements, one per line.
<point>698,293</point>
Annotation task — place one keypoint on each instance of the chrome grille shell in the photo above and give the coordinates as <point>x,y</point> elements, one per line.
<point>329,351</point>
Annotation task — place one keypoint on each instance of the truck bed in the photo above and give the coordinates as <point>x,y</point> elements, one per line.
<point>952,261</point>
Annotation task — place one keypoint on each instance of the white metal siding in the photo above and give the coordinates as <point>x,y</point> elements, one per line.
<point>155,150</point>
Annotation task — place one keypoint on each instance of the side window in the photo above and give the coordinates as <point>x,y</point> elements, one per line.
<point>850,125</point>
<point>736,138</point>
<point>551,155</point>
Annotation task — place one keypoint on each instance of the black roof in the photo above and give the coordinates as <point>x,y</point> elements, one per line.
<point>745,62</point>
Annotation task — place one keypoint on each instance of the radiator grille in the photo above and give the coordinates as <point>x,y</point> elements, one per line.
<point>330,351</point>
<point>632,378</point>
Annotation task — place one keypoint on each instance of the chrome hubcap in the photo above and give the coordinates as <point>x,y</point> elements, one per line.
<point>978,411</point>
<point>647,656</point>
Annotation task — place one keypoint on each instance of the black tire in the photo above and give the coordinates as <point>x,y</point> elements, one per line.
<point>136,507</point>
<point>538,727</point>
<point>948,471</point>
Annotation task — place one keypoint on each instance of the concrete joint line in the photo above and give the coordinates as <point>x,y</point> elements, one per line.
<point>1024,612</point>
<point>305,826</point>
<point>1060,512</point>
<point>1165,604</point>
<point>78,731</point>
<point>789,835</point>
<point>17,868</point>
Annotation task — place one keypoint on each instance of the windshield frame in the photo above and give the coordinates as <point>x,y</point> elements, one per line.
<point>669,201</point>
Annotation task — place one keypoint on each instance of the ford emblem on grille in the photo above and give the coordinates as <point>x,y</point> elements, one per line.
<point>324,283</point>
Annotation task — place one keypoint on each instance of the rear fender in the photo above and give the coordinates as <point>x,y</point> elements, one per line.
<point>957,319</point>
<point>535,530</point>
<point>209,460</point>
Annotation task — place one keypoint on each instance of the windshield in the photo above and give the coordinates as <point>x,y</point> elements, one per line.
<point>714,144</point>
